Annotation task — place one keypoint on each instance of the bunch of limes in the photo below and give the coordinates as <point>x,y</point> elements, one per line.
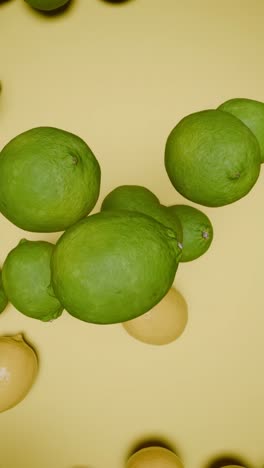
<point>117,264</point>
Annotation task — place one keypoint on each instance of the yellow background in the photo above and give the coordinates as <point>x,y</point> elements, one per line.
<point>121,77</point>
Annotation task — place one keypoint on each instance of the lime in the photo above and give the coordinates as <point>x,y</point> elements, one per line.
<point>46,5</point>
<point>142,200</point>
<point>26,279</point>
<point>49,179</point>
<point>114,266</point>
<point>3,298</point>
<point>252,115</point>
<point>197,231</point>
<point>212,158</point>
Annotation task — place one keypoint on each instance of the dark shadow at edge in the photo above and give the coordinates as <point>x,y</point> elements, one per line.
<point>228,459</point>
<point>116,2</point>
<point>152,440</point>
<point>5,2</point>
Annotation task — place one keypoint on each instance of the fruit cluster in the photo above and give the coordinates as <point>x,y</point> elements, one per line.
<point>117,264</point>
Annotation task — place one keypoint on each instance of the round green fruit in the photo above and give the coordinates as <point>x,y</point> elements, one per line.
<point>46,5</point>
<point>26,280</point>
<point>3,297</point>
<point>140,199</point>
<point>197,231</point>
<point>49,179</point>
<point>114,266</point>
<point>251,113</point>
<point>212,158</point>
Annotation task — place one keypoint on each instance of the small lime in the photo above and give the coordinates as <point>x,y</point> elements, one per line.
<point>142,200</point>
<point>26,279</point>
<point>251,113</point>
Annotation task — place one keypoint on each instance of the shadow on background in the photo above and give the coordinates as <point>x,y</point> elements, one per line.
<point>228,459</point>
<point>81,466</point>
<point>4,2</point>
<point>64,9</point>
<point>152,441</point>
<point>116,2</point>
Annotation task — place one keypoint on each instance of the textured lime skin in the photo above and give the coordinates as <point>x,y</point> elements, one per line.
<point>251,113</point>
<point>114,266</point>
<point>49,179</point>
<point>212,158</point>
<point>26,279</point>
<point>140,199</point>
<point>3,297</point>
<point>46,5</point>
<point>197,231</point>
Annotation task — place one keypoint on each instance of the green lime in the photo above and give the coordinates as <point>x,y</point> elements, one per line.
<point>3,298</point>
<point>46,5</point>
<point>114,266</point>
<point>251,113</point>
<point>212,158</point>
<point>49,179</point>
<point>140,199</point>
<point>197,231</point>
<point>26,279</point>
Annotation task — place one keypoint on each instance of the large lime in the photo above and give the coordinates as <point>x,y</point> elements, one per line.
<point>26,279</point>
<point>212,158</point>
<point>114,266</point>
<point>49,179</point>
<point>3,298</point>
<point>197,231</point>
<point>47,5</point>
<point>252,115</point>
<point>140,199</point>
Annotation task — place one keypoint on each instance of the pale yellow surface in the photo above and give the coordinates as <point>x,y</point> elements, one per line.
<point>121,77</point>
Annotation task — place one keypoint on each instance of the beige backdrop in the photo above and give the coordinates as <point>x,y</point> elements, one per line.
<point>121,77</point>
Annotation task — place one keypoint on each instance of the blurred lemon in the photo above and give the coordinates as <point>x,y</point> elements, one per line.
<point>164,323</point>
<point>18,369</point>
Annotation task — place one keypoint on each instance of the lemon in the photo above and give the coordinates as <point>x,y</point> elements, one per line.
<point>154,457</point>
<point>18,370</point>
<point>163,324</point>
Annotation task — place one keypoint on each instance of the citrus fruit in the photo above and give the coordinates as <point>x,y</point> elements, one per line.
<point>18,370</point>
<point>251,113</point>
<point>154,457</point>
<point>114,266</point>
<point>26,279</point>
<point>49,179</point>
<point>212,158</point>
<point>197,231</point>
<point>46,5</point>
<point>140,199</point>
<point>3,298</point>
<point>164,323</point>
